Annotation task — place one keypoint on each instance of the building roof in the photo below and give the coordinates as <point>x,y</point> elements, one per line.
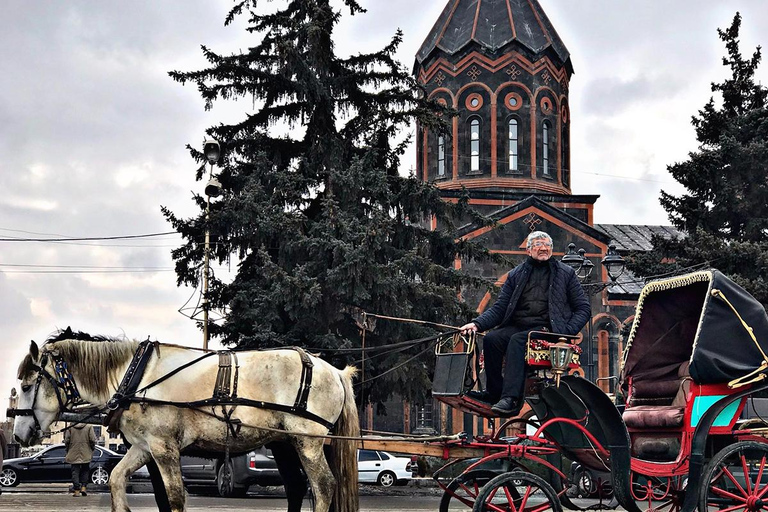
<point>492,24</point>
<point>632,237</point>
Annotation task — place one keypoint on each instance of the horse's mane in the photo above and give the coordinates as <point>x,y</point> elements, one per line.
<point>95,360</point>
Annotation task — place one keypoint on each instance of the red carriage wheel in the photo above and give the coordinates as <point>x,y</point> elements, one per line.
<point>465,488</point>
<point>737,478</point>
<point>517,492</point>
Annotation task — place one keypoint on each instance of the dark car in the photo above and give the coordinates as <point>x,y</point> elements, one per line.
<point>256,467</point>
<point>49,466</point>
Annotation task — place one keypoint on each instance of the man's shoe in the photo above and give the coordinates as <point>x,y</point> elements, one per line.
<point>506,407</point>
<point>82,491</point>
<point>480,396</point>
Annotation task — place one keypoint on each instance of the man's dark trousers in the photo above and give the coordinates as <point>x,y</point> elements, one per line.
<point>510,343</point>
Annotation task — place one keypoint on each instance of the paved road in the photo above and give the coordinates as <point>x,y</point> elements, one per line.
<point>55,498</point>
<point>48,502</point>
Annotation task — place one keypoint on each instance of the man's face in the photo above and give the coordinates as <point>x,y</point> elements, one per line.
<point>541,249</point>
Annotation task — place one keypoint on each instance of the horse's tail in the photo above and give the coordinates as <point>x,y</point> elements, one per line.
<point>344,452</point>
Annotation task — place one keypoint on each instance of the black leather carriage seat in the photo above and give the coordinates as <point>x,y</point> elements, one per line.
<point>658,404</point>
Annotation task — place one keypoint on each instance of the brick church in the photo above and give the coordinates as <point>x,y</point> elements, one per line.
<point>503,67</point>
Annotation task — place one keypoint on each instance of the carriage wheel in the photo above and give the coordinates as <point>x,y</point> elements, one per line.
<point>465,488</point>
<point>661,494</point>
<point>737,478</point>
<point>517,492</point>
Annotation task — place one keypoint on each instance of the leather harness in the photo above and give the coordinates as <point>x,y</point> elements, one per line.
<point>224,392</point>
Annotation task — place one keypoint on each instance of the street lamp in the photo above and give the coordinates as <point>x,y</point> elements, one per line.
<point>212,152</point>
<point>583,266</point>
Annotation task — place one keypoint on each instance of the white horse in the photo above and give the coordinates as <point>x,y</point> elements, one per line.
<point>159,431</point>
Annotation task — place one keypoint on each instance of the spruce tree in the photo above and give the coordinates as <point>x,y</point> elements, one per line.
<point>315,212</point>
<point>724,211</point>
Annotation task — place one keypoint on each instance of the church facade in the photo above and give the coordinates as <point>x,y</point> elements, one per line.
<point>502,67</point>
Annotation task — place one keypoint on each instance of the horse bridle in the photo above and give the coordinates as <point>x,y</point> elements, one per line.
<point>61,381</point>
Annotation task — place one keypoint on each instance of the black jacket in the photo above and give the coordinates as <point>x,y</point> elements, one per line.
<point>569,307</point>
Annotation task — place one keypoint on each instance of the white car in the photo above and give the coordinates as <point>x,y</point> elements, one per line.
<point>382,468</point>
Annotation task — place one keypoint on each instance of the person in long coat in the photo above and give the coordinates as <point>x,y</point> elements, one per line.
<point>80,442</point>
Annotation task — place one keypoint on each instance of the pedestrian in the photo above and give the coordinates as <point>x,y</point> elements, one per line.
<point>540,294</point>
<point>3,448</point>
<point>80,442</point>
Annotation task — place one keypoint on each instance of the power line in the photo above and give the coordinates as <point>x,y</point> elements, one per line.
<point>87,238</point>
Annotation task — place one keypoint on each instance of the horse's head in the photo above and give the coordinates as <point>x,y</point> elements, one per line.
<point>39,400</point>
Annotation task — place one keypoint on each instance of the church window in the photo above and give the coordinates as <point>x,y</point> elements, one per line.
<point>545,148</point>
<point>513,149</point>
<point>441,156</point>
<point>474,145</point>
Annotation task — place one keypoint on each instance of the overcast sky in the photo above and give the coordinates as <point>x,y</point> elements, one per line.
<point>92,133</point>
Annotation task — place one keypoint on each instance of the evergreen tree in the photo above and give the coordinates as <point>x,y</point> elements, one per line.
<point>314,211</point>
<point>725,209</point>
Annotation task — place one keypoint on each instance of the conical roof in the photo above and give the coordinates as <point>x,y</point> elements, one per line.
<point>493,24</point>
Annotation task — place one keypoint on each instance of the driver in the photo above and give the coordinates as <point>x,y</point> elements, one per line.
<point>540,294</point>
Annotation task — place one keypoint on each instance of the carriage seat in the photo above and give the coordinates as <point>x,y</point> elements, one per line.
<point>658,404</point>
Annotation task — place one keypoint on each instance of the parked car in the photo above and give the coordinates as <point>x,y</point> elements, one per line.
<point>382,468</point>
<point>49,466</point>
<point>255,467</point>
<point>590,483</point>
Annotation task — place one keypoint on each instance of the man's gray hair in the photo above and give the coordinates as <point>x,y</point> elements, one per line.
<point>535,236</point>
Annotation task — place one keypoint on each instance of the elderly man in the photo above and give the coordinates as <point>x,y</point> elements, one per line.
<point>540,294</point>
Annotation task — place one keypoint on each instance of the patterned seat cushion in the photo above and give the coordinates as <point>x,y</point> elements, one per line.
<point>653,416</point>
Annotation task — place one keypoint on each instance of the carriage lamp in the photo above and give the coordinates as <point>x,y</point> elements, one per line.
<point>560,356</point>
<point>212,151</point>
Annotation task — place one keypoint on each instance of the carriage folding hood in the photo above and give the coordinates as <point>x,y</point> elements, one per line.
<point>701,318</point>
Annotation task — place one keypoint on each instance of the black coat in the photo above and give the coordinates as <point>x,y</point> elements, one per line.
<point>569,307</point>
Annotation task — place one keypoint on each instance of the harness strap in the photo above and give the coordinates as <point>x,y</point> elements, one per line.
<point>305,382</point>
<point>238,401</point>
<point>133,375</point>
<point>222,387</point>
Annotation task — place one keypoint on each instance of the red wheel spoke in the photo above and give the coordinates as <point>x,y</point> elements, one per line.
<point>746,474</point>
<point>759,478</point>
<point>471,492</point>
<point>731,509</point>
<point>726,494</point>
<point>510,499</point>
<point>540,508</point>
<point>733,479</point>
<point>525,498</point>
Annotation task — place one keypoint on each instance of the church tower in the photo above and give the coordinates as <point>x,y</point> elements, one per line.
<point>501,64</point>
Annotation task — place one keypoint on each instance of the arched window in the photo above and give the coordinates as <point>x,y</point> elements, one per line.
<point>513,150</point>
<point>441,156</point>
<point>545,148</point>
<point>474,145</point>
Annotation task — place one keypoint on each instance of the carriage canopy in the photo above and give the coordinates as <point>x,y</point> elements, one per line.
<point>696,323</point>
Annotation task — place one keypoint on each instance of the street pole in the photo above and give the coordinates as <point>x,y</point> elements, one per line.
<point>206,267</point>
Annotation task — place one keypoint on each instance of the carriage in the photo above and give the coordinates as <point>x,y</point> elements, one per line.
<point>672,440</point>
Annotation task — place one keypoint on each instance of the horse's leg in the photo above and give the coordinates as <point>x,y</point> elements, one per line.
<point>166,454</point>
<point>133,460</point>
<point>312,455</point>
<point>158,487</point>
<point>289,466</point>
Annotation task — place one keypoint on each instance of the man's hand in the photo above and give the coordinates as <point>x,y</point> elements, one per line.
<point>470,327</point>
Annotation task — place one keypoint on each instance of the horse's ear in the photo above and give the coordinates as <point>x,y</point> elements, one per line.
<point>33,350</point>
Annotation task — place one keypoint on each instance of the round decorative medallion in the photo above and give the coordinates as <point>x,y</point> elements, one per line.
<point>474,102</point>
<point>546,105</point>
<point>513,101</point>
<point>564,114</point>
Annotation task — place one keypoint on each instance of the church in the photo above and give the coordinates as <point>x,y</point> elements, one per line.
<point>502,66</point>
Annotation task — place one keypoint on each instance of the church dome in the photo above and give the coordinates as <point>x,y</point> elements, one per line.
<point>493,24</point>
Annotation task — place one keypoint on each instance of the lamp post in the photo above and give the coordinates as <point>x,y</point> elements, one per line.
<point>212,152</point>
<point>583,266</point>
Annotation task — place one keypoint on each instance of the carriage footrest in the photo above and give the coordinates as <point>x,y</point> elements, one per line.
<point>465,404</point>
